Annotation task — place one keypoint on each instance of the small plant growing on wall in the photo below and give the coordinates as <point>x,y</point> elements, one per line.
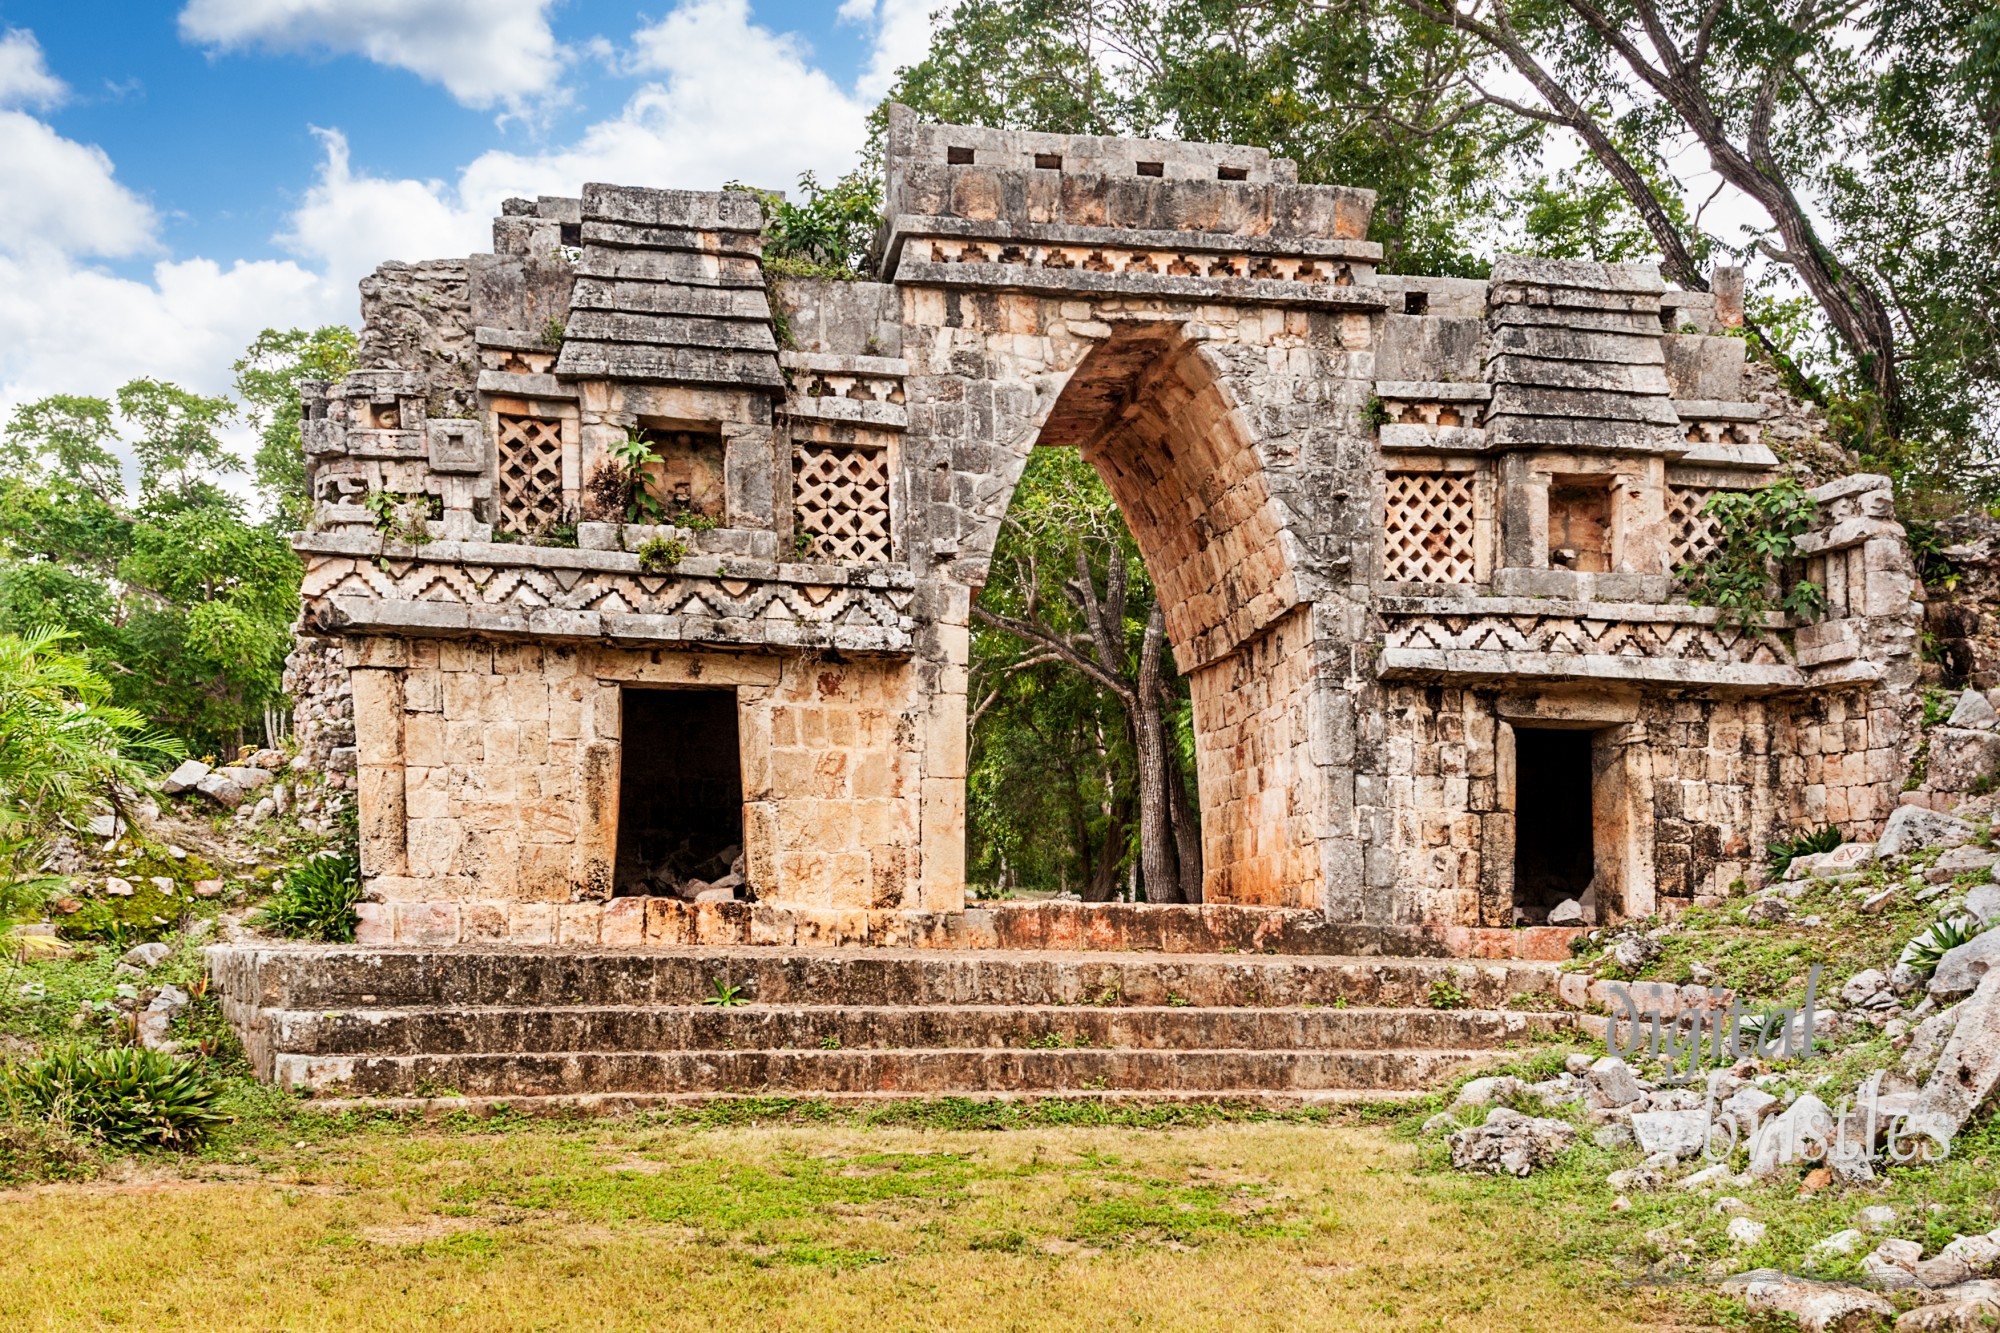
<point>402,518</point>
<point>660,555</point>
<point>607,495</point>
<point>1374,413</point>
<point>552,332</point>
<point>1756,532</point>
<point>631,455</point>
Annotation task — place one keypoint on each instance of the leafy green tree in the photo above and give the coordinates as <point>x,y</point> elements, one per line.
<point>62,742</point>
<point>1357,93</point>
<point>268,377</point>
<point>178,444</point>
<point>1067,588</point>
<point>830,233</point>
<point>1824,115</point>
<point>172,592</point>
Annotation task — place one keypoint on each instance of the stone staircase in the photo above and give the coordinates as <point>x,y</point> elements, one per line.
<point>562,1026</point>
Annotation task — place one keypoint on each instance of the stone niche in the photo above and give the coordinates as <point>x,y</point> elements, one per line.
<point>686,474</point>
<point>1580,523</point>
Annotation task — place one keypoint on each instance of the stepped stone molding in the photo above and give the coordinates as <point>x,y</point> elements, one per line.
<point>1463,643</point>
<point>487,592</point>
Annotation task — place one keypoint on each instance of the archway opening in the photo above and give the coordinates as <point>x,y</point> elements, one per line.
<point>1089,726</point>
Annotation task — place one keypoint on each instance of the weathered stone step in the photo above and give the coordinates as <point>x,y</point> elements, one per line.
<point>763,1027</point>
<point>903,1072</point>
<point>347,977</point>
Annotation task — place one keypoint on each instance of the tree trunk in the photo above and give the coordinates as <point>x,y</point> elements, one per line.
<point>1103,885</point>
<point>1187,832</point>
<point>1157,872</point>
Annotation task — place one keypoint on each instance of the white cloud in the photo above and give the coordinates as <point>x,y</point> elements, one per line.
<point>732,101</point>
<point>24,75</point>
<point>60,195</point>
<point>484,52</point>
<point>71,328</point>
<point>348,224</point>
<point>67,326</point>
<point>902,37</point>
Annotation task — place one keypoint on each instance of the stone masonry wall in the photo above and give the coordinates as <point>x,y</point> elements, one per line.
<point>1697,790</point>
<point>1219,492</point>
<point>322,704</point>
<point>489,784</point>
<point>1261,788</point>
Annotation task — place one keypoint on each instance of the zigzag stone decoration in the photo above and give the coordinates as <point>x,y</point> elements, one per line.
<point>1674,649</point>
<point>466,589</point>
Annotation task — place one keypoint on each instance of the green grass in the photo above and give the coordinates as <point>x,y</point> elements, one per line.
<point>802,1219</point>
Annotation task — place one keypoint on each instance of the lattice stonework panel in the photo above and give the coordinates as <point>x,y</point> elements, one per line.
<point>1429,533</point>
<point>1693,536</point>
<point>531,489</point>
<point>841,501</point>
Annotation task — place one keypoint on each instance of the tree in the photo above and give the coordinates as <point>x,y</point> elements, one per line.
<point>172,594</point>
<point>1782,101</point>
<point>268,377</point>
<point>62,742</point>
<point>1067,584</point>
<point>1360,93</point>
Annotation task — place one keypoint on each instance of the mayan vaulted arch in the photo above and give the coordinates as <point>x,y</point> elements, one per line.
<point>1154,410</point>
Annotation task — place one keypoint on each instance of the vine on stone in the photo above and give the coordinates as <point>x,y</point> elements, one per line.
<point>1756,532</point>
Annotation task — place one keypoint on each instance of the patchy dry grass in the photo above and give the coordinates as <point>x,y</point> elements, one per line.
<point>636,1224</point>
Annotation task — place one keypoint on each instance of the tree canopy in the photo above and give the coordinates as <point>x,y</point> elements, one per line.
<point>169,586</point>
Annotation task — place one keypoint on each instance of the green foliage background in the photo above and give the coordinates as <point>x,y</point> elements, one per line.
<point>172,585</point>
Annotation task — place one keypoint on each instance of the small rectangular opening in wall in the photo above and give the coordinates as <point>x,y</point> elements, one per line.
<point>1232,173</point>
<point>958,157</point>
<point>1554,828</point>
<point>1580,524</point>
<point>680,792</point>
<point>1152,168</point>
<point>1416,303</point>
<point>1048,161</point>
<point>687,477</point>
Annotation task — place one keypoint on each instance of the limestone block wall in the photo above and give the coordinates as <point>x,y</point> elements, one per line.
<point>1842,759</point>
<point>489,780</point>
<point>1263,791</point>
<point>1685,792</point>
<point>1426,805</point>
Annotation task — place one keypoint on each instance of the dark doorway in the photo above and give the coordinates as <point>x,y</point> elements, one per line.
<point>680,792</point>
<point>1554,846</point>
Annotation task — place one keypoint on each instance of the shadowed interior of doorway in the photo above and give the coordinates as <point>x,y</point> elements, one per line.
<point>1554,846</point>
<point>680,791</point>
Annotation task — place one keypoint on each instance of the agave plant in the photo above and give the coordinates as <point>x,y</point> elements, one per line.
<point>125,1096</point>
<point>317,900</point>
<point>1924,952</point>
<point>1782,854</point>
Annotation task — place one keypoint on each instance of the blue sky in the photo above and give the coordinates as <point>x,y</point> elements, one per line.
<point>185,173</point>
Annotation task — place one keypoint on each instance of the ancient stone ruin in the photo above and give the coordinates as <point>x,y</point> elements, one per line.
<point>1415,538</point>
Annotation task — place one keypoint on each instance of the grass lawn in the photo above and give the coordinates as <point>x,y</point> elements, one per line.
<point>802,1223</point>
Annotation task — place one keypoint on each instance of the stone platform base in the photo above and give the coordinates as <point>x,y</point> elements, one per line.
<point>632,923</point>
<point>593,1027</point>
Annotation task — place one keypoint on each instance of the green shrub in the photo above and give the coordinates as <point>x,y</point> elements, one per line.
<point>1445,995</point>
<point>125,1096</point>
<point>317,901</point>
<point>1923,952</point>
<point>1782,854</point>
